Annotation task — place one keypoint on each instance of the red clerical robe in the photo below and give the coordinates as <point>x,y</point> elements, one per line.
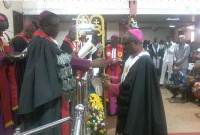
<point>113,70</point>
<point>70,43</point>
<point>8,85</point>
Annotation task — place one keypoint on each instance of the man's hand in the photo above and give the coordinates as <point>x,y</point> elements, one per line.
<point>110,61</point>
<point>105,84</point>
<point>20,56</point>
<point>181,85</point>
<point>177,64</point>
<point>8,60</point>
<point>74,53</point>
<point>23,55</point>
<point>177,86</point>
<point>106,77</point>
<point>99,62</point>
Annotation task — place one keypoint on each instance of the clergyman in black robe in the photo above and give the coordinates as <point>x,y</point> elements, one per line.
<point>140,106</point>
<point>48,76</point>
<point>20,43</point>
<point>68,44</point>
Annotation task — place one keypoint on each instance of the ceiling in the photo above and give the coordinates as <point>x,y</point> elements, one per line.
<point>160,21</point>
<point>149,21</point>
<point>145,21</point>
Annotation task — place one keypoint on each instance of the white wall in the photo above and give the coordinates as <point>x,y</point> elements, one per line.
<point>76,6</point>
<point>16,6</point>
<point>30,19</point>
<point>64,29</point>
<point>149,34</point>
<point>112,28</point>
<point>168,7</point>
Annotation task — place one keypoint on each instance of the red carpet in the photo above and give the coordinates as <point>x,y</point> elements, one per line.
<point>184,134</point>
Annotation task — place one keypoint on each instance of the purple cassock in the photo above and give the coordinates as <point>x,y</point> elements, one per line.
<point>80,64</point>
<point>3,130</point>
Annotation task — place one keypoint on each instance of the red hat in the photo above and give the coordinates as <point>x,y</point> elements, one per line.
<point>137,33</point>
<point>2,18</point>
<point>44,14</point>
<point>114,36</point>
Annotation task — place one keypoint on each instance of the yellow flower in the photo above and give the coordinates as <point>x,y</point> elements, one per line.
<point>95,103</point>
<point>101,131</point>
<point>90,116</point>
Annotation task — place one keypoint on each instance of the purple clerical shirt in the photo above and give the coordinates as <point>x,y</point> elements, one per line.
<point>114,87</point>
<point>80,64</point>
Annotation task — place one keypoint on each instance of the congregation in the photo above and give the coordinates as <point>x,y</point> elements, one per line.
<point>33,65</point>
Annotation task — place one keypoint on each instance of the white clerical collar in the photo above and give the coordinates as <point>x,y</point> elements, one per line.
<point>130,62</point>
<point>114,50</point>
<point>54,41</point>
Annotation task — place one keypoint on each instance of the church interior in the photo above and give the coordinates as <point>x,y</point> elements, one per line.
<point>101,21</point>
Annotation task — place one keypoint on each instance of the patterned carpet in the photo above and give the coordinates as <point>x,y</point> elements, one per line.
<point>182,118</point>
<point>184,133</point>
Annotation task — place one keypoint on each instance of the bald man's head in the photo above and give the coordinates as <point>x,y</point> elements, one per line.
<point>132,41</point>
<point>6,20</point>
<point>28,30</point>
<point>182,39</point>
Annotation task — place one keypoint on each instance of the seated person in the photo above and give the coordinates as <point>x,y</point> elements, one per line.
<point>196,91</point>
<point>193,77</point>
<point>178,83</point>
<point>196,56</point>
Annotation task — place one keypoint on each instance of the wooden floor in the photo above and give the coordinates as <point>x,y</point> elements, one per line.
<point>183,118</point>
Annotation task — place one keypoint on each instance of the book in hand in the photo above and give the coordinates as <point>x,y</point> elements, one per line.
<point>18,54</point>
<point>116,60</point>
<point>88,48</point>
<point>25,50</point>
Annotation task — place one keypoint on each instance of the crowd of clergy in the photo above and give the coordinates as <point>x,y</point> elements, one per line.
<point>37,76</point>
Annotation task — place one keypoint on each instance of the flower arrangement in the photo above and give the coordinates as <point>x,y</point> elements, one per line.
<point>96,120</point>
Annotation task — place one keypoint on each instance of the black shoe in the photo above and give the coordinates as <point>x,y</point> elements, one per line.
<point>161,85</point>
<point>182,98</point>
<point>173,96</point>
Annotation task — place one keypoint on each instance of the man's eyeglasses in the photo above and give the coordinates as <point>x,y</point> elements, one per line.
<point>114,38</point>
<point>125,44</point>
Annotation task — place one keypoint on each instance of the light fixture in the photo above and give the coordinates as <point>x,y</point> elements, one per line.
<point>172,19</point>
<point>83,26</point>
<point>172,26</point>
<point>87,30</point>
<point>192,27</point>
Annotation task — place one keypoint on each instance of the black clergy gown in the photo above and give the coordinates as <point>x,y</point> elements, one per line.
<point>140,106</point>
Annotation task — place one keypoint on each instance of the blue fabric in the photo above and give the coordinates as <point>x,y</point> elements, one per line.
<point>91,89</point>
<point>178,79</point>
